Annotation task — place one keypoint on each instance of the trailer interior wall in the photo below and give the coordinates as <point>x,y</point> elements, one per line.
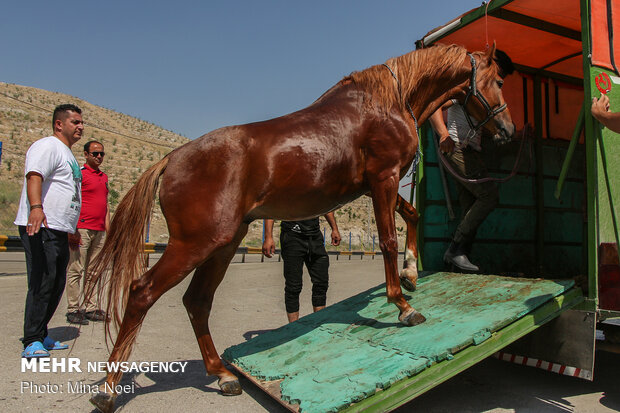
<point>531,232</point>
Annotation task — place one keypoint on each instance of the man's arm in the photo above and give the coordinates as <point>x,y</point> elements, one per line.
<point>34,184</point>
<point>600,110</point>
<point>331,220</point>
<point>269,246</point>
<point>107,222</point>
<point>446,144</point>
<point>75,240</point>
<point>107,218</point>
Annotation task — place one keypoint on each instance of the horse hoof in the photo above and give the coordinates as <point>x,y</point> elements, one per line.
<point>231,388</point>
<point>411,318</point>
<point>409,278</point>
<point>407,284</point>
<point>104,402</point>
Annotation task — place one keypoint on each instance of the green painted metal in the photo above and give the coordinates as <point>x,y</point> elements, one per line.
<point>608,173</point>
<point>608,168</point>
<point>350,350</point>
<point>587,305</point>
<point>605,166</point>
<point>591,162</point>
<point>607,314</point>
<point>569,154</point>
<point>478,14</point>
<point>473,16</point>
<point>540,191</point>
<point>408,389</point>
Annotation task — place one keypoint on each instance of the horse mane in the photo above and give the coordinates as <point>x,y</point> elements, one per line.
<point>415,70</point>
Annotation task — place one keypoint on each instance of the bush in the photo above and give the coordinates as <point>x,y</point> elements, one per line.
<point>113,200</point>
<point>10,193</point>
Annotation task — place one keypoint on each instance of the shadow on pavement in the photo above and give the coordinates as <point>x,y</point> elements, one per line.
<point>194,376</point>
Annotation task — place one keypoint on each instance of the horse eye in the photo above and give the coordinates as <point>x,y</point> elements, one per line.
<point>500,83</point>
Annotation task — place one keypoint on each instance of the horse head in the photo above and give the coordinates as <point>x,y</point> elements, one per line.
<point>484,102</point>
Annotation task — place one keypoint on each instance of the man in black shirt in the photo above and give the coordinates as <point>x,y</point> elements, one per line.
<point>302,242</point>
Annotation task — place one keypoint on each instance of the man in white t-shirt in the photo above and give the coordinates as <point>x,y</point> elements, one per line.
<point>49,209</point>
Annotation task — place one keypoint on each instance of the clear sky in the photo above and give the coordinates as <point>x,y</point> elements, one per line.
<point>194,66</point>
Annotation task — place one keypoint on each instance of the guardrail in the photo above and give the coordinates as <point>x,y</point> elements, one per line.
<point>11,243</point>
<point>254,250</point>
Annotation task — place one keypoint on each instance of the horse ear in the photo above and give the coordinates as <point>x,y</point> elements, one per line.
<point>491,53</point>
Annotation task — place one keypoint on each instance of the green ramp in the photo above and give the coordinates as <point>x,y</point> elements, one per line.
<point>355,350</point>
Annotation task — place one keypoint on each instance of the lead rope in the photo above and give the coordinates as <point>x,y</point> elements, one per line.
<point>472,132</point>
<point>525,135</point>
<point>470,135</point>
<point>418,154</point>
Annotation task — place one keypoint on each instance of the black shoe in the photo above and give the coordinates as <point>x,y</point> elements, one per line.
<point>463,263</point>
<point>77,317</point>
<point>455,255</point>
<point>97,315</point>
<point>450,252</point>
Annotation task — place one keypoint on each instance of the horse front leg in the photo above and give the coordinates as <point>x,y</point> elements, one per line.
<point>409,274</point>
<point>383,194</point>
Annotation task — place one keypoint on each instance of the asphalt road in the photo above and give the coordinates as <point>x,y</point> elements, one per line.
<point>249,301</point>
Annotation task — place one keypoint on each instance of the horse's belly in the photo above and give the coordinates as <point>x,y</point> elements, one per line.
<point>303,205</point>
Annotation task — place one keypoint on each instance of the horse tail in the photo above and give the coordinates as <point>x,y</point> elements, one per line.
<point>122,259</point>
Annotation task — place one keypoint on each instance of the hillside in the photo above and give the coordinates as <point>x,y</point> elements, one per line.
<point>131,146</point>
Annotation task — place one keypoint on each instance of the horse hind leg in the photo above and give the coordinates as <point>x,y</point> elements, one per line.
<point>172,268</point>
<point>198,301</point>
<point>409,274</point>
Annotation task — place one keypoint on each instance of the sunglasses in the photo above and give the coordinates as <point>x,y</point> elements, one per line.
<point>95,154</point>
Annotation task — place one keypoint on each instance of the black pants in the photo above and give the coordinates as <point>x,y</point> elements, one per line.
<point>47,256</point>
<point>297,250</point>
<point>477,200</point>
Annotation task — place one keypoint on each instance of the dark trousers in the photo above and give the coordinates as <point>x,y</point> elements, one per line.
<point>477,199</point>
<point>297,250</point>
<point>47,256</point>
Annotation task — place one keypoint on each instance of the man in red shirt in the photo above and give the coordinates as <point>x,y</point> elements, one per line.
<point>88,240</point>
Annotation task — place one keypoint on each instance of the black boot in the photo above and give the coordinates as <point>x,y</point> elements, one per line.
<point>467,243</point>
<point>455,255</point>
<point>450,252</point>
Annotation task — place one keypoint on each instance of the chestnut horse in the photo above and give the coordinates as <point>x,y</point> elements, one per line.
<point>360,137</point>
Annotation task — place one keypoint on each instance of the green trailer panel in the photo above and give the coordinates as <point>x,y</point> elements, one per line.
<point>608,162</point>
<point>355,354</point>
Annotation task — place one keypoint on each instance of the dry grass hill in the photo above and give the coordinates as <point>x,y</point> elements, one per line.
<point>131,146</point>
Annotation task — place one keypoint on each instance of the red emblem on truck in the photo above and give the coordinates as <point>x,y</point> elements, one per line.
<point>603,83</point>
